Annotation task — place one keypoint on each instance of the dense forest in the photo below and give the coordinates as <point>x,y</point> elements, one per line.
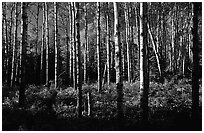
<point>101,66</point>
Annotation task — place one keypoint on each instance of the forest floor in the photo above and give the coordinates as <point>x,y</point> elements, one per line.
<point>169,108</point>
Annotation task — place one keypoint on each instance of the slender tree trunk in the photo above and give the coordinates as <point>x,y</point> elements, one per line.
<point>68,65</point>
<point>10,46</point>
<point>36,46</point>
<point>138,37</point>
<point>144,88</point>
<point>155,51</point>
<point>131,43</point>
<point>89,99</point>
<point>176,39</point>
<point>5,41</point>
<point>56,45</point>
<point>86,45</point>
<point>21,47</point>
<point>74,47</point>
<point>17,49</point>
<point>164,34</point>
<point>195,74</point>
<point>17,65</point>
<point>71,45</point>
<point>157,31</point>
<point>14,44</point>
<point>108,45</point>
<point>172,44</point>
<point>23,58</point>
<point>79,76</point>
<point>42,45</point>
<point>127,42</point>
<point>123,54</point>
<point>98,48</point>
<point>190,36</point>
<point>118,65</point>
<point>15,75</point>
<point>47,43</point>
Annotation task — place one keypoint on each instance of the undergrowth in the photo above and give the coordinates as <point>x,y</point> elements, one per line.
<point>50,109</point>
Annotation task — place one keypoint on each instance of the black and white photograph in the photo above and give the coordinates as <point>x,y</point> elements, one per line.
<point>101,66</point>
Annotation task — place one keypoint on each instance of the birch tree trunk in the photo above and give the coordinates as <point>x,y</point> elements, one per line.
<point>98,48</point>
<point>16,75</point>
<point>144,88</point>
<point>74,47</point>
<point>14,43</point>
<point>56,45</point>
<point>47,43</point>
<point>108,45</point>
<point>172,44</point>
<point>23,58</point>
<point>21,46</point>
<point>127,41</point>
<point>155,51</point>
<point>78,50</point>
<point>10,52</point>
<point>71,45</point>
<point>42,45</point>
<point>86,45</point>
<point>118,65</point>
<point>5,42</point>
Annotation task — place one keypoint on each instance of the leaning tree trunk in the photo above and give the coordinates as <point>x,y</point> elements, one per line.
<point>98,48</point>
<point>78,51</point>
<point>195,73</point>
<point>118,65</point>
<point>24,27</point>
<point>155,50</point>
<point>144,88</point>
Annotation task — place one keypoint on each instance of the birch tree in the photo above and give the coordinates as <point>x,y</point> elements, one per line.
<point>98,48</point>
<point>74,46</point>
<point>70,44</point>
<point>118,64</point>
<point>42,43</point>
<point>127,41</point>
<point>56,45</point>
<point>15,26</point>
<point>108,44</point>
<point>78,56</point>
<point>24,27</point>
<point>47,43</point>
<point>5,36</point>
<point>144,85</point>
<point>86,44</point>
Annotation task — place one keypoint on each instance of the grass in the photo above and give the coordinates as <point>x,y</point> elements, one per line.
<point>169,108</point>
